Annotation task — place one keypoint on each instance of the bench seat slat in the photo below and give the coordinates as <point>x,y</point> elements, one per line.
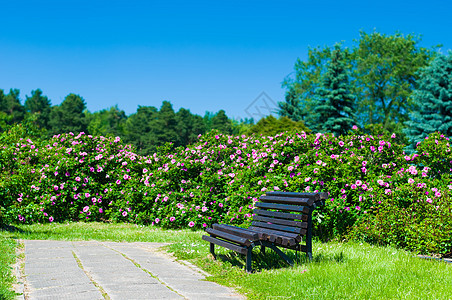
<point>278,214</point>
<point>233,247</point>
<point>228,236</point>
<point>241,232</point>
<point>315,196</point>
<point>272,234</point>
<point>287,200</point>
<point>290,229</point>
<point>281,221</point>
<point>284,207</point>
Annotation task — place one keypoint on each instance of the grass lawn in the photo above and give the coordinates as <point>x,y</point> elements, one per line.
<point>338,270</point>
<point>7,258</point>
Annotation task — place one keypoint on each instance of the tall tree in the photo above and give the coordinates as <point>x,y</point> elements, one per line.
<point>138,129</point>
<point>221,122</point>
<point>433,98</point>
<point>291,107</point>
<point>39,104</point>
<point>334,110</point>
<point>11,106</point>
<point>385,74</point>
<point>107,122</point>
<point>165,128</point>
<point>303,83</point>
<point>189,126</point>
<point>68,116</point>
<point>382,72</point>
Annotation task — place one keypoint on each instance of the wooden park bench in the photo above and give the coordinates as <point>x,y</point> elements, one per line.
<point>281,219</point>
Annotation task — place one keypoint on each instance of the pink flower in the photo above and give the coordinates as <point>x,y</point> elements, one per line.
<point>118,181</point>
<point>358,182</point>
<point>358,208</point>
<point>341,143</point>
<point>51,219</point>
<point>101,210</point>
<point>410,180</point>
<point>86,208</point>
<point>77,178</point>
<point>157,220</point>
<point>172,219</point>
<point>204,225</point>
<point>124,213</point>
<point>191,224</point>
<point>355,127</point>
<point>87,195</point>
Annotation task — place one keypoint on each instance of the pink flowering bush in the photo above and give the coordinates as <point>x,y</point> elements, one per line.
<point>220,177</point>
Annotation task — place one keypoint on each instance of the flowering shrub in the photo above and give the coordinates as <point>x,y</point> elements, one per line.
<point>219,178</point>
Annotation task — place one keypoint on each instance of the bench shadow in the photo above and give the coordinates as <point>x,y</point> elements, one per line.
<point>271,260</point>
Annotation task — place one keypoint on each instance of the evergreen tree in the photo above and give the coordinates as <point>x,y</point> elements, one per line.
<point>334,110</point>
<point>188,126</point>
<point>165,125</point>
<point>221,122</point>
<point>68,116</point>
<point>107,122</point>
<point>138,129</point>
<point>433,97</point>
<point>39,104</point>
<point>291,107</point>
<point>11,106</point>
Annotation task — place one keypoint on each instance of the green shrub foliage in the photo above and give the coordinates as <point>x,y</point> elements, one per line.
<point>377,192</point>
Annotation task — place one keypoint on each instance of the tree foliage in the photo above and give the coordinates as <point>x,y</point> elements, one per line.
<point>69,116</point>
<point>433,97</point>
<point>385,74</point>
<point>382,74</point>
<point>270,126</point>
<point>40,105</point>
<point>334,110</point>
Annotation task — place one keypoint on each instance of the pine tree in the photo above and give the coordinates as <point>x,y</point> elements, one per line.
<point>221,122</point>
<point>69,116</point>
<point>334,110</point>
<point>291,107</point>
<point>433,98</point>
<point>11,106</point>
<point>40,105</point>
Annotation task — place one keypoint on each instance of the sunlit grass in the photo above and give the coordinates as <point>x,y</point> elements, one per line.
<point>7,258</point>
<point>338,270</point>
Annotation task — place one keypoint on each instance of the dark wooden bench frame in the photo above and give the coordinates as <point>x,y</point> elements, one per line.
<point>282,219</point>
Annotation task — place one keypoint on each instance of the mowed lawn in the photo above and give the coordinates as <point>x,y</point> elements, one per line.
<point>338,270</point>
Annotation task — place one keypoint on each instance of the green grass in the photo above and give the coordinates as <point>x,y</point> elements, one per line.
<point>7,258</point>
<point>338,270</point>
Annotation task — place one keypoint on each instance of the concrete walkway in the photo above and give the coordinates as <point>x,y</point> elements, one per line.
<point>108,270</point>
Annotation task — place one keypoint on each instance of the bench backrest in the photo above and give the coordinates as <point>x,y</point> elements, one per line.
<point>286,211</point>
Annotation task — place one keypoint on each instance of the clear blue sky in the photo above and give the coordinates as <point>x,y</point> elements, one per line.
<point>200,55</point>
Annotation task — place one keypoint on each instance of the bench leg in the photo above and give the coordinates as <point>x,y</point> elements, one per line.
<point>249,253</point>
<point>280,253</point>
<point>212,250</point>
<point>309,237</point>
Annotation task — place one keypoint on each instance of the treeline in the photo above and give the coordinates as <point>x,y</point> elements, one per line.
<point>147,128</point>
<point>383,82</point>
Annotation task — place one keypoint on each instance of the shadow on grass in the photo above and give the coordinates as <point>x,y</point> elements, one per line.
<point>18,233</point>
<point>271,260</point>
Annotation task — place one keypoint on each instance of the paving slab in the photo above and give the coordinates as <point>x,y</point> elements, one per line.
<point>109,270</point>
